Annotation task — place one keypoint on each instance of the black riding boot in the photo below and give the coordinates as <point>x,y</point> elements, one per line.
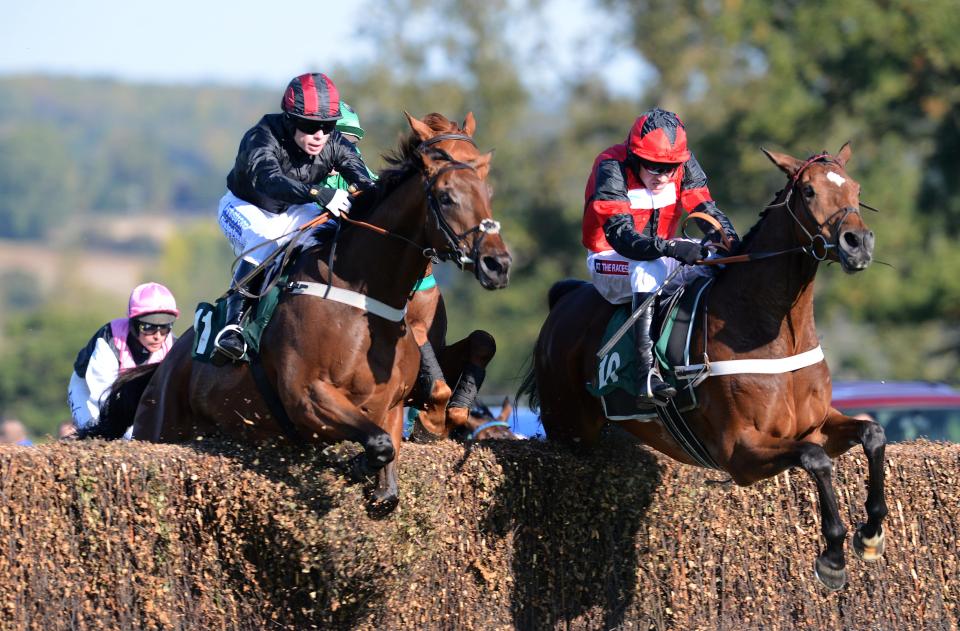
<point>652,387</point>
<point>229,340</point>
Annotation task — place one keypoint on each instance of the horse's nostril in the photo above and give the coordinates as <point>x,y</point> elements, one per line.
<point>851,240</point>
<point>491,265</point>
<point>494,265</point>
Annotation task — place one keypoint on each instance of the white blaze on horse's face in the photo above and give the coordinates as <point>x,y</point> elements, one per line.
<point>836,178</point>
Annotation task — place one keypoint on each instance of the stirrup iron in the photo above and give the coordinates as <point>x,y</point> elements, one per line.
<point>227,352</point>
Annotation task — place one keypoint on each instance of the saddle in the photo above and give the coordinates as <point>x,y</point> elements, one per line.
<point>210,318</point>
<point>615,376</point>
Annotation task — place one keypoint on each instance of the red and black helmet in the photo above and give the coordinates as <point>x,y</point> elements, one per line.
<point>312,96</point>
<point>659,136</point>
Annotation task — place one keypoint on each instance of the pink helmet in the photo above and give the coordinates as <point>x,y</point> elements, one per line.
<point>153,303</point>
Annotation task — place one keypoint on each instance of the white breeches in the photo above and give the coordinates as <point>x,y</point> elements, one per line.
<point>247,226</point>
<point>617,278</point>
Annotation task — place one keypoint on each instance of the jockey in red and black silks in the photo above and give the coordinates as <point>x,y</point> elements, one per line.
<point>634,200</point>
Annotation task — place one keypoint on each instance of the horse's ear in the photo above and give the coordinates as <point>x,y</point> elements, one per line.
<point>844,154</point>
<point>469,124</point>
<point>482,165</point>
<point>421,129</point>
<point>787,164</point>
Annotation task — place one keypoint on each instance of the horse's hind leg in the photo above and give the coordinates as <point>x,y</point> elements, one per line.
<point>433,398</point>
<point>766,456</point>
<point>465,364</point>
<point>841,432</point>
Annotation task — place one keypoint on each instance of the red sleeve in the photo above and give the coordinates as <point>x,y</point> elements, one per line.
<point>693,186</point>
<point>605,195</point>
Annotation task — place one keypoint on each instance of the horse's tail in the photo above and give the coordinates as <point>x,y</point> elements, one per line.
<point>120,405</point>
<point>528,386</point>
<point>561,288</point>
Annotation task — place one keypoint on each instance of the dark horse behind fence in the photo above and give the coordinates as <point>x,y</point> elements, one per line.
<point>341,372</point>
<point>753,426</point>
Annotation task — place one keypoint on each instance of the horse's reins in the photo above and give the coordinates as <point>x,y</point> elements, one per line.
<point>454,240</point>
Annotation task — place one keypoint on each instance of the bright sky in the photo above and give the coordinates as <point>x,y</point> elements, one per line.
<point>242,42</point>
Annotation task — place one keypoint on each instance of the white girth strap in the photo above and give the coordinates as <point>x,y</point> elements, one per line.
<point>754,366</point>
<point>347,297</point>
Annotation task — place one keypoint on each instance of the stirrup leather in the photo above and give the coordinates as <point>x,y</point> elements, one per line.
<point>231,353</point>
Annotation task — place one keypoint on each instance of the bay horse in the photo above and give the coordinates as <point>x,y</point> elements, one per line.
<point>341,372</point>
<point>752,426</point>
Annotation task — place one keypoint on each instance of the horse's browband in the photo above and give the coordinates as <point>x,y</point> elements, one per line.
<point>442,137</point>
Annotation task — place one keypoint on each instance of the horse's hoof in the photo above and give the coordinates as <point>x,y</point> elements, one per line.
<point>420,434</point>
<point>360,469</point>
<point>831,578</point>
<point>868,549</point>
<point>382,506</point>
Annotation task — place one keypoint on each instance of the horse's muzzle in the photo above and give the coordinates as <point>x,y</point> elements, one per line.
<point>855,249</point>
<point>493,270</point>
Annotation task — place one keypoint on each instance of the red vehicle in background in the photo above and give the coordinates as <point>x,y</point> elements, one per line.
<point>906,409</point>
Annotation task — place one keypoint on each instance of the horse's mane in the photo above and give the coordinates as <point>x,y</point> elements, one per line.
<point>755,228</point>
<point>403,162</point>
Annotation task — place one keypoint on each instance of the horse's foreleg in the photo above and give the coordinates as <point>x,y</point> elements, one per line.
<point>765,456</point>
<point>320,410</point>
<point>386,495</point>
<point>843,431</point>
<point>465,363</point>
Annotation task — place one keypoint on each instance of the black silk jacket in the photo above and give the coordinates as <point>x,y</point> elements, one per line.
<point>273,173</point>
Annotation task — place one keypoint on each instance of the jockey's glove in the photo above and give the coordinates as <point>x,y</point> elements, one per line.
<point>688,252</point>
<point>339,203</point>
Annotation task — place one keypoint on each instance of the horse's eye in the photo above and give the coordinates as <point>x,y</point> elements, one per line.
<point>808,191</point>
<point>444,198</point>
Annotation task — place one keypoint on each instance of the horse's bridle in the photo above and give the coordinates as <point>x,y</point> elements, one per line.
<point>455,251</point>
<point>456,243</point>
<point>817,239</point>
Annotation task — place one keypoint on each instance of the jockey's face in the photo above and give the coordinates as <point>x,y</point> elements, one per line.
<point>152,337</point>
<point>313,143</point>
<point>656,182</point>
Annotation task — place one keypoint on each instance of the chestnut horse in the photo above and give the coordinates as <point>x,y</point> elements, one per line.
<point>340,371</point>
<point>752,426</point>
<point>447,412</point>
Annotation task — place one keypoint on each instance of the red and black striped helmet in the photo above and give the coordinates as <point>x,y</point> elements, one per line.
<point>312,96</point>
<point>659,136</point>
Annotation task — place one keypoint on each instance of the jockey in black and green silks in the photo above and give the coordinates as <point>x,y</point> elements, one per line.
<point>349,127</point>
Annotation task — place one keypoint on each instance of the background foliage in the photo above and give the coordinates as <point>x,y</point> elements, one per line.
<point>790,76</point>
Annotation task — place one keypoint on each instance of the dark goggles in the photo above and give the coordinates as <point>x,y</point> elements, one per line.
<point>659,168</point>
<point>310,127</point>
<point>149,329</point>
